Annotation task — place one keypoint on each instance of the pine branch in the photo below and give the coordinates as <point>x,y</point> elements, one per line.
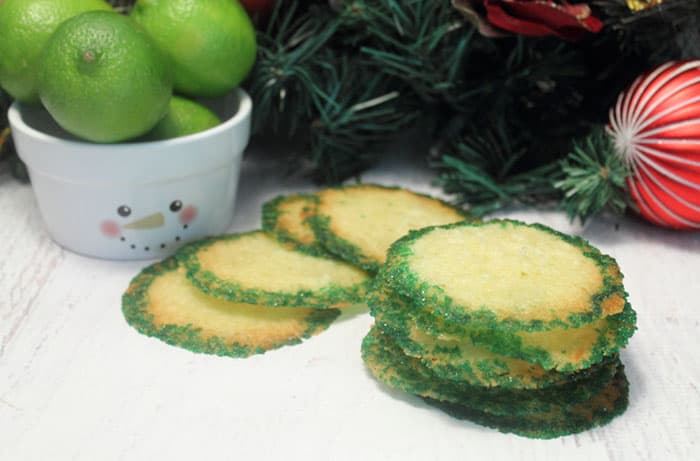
<point>420,43</point>
<point>289,67</point>
<point>353,119</point>
<point>482,171</point>
<point>594,177</point>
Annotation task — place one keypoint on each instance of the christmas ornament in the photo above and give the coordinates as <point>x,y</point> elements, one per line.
<point>656,127</point>
<point>495,18</point>
<point>638,5</point>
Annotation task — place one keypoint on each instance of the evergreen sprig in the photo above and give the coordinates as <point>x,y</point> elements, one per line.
<point>594,177</point>
<point>352,119</point>
<point>422,44</point>
<point>290,67</point>
<point>306,86</point>
<point>481,170</point>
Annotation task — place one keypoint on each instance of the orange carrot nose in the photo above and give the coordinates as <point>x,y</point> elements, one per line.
<point>149,222</point>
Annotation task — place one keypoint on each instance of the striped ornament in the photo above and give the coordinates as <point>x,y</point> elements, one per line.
<point>656,128</point>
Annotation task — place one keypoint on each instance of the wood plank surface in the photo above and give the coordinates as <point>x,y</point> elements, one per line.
<point>77,383</point>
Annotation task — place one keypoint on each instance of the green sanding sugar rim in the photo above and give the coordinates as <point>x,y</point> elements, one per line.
<point>135,309</point>
<point>453,364</point>
<point>208,282</point>
<point>407,315</point>
<point>347,250</point>
<point>408,284</point>
<point>408,374</point>
<point>614,336</point>
<point>567,422</point>
<point>270,217</point>
<point>340,247</point>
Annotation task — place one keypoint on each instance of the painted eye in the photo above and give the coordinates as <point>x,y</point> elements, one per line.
<point>176,206</point>
<point>123,211</point>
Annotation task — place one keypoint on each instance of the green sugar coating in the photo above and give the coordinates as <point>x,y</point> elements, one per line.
<point>451,363</point>
<point>598,410</point>
<point>390,365</point>
<point>135,303</point>
<point>207,281</point>
<point>404,281</point>
<point>341,248</point>
<point>271,214</point>
<point>349,251</point>
<point>611,338</point>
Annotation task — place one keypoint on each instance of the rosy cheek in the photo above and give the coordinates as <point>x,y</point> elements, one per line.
<point>188,214</point>
<point>110,229</point>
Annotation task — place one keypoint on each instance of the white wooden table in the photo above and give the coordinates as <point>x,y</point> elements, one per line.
<point>78,383</point>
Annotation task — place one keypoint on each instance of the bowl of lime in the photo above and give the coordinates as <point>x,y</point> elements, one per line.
<point>134,200</point>
<point>132,134</point>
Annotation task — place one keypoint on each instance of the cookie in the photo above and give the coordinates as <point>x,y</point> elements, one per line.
<point>358,223</point>
<point>160,302</point>
<point>506,275</point>
<point>255,268</point>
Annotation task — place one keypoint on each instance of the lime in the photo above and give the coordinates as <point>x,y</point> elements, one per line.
<point>184,117</point>
<point>103,79</point>
<point>25,26</point>
<point>211,43</point>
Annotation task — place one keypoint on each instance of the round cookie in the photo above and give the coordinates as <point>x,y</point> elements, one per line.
<point>358,223</point>
<point>562,349</point>
<point>598,410</point>
<point>387,362</point>
<point>255,268</point>
<point>506,275</point>
<point>160,302</point>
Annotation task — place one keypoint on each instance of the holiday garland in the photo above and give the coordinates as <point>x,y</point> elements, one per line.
<point>512,95</point>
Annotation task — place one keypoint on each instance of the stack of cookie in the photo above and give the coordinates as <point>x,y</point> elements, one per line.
<point>510,325</point>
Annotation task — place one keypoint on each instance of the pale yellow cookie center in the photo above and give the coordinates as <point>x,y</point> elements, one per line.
<point>373,219</point>
<point>513,271</point>
<point>174,301</point>
<point>258,261</point>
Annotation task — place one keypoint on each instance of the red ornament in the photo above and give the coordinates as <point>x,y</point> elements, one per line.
<point>535,18</point>
<point>540,19</point>
<point>656,127</point>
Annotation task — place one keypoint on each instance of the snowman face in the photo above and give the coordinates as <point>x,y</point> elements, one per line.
<point>149,230</point>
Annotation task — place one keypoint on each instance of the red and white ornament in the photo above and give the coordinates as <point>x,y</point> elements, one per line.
<point>656,128</point>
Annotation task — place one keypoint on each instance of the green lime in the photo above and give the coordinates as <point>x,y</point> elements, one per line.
<point>103,79</point>
<point>25,26</point>
<point>211,43</point>
<point>184,117</point>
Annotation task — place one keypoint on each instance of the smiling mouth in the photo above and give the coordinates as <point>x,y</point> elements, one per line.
<point>149,222</point>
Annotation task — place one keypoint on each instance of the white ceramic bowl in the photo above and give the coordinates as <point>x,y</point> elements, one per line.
<point>134,200</point>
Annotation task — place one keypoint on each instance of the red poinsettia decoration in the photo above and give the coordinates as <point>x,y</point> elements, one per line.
<point>536,18</point>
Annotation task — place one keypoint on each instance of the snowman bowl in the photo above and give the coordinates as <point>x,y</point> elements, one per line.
<point>134,200</point>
